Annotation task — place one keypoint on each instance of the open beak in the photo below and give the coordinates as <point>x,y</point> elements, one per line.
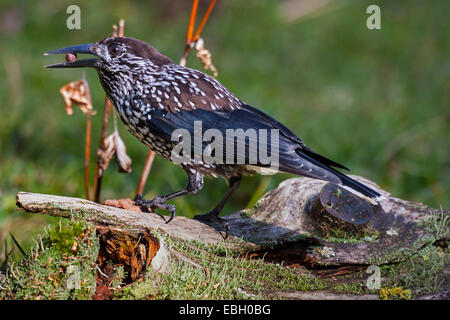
<point>83,48</point>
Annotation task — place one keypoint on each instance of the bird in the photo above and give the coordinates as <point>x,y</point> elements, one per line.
<point>155,97</point>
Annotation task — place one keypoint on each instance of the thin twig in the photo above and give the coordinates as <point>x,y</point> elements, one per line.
<point>98,171</point>
<point>205,18</point>
<point>121,27</point>
<point>190,40</point>
<point>100,271</point>
<point>87,153</point>
<point>87,146</point>
<point>189,34</point>
<point>191,22</point>
<point>145,172</point>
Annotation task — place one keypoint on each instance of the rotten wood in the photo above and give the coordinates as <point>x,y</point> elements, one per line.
<point>133,250</point>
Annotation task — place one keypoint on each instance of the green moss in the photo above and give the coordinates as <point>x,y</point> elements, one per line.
<point>342,236</point>
<point>144,288</point>
<point>217,272</point>
<point>60,266</point>
<point>350,288</point>
<point>119,276</point>
<point>65,238</point>
<point>84,214</point>
<point>423,273</point>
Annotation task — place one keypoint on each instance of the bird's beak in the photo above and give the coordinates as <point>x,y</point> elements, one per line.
<point>82,48</point>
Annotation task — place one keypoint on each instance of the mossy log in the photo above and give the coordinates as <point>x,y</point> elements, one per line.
<point>302,223</point>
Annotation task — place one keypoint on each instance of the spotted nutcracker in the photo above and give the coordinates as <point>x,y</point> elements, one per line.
<point>155,96</point>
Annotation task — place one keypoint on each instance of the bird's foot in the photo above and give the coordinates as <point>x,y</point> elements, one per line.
<point>155,203</point>
<point>211,218</point>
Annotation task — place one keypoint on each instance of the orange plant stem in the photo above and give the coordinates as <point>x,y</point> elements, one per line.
<point>205,18</point>
<point>145,172</point>
<point>106,115</point>
<point>98,172</point>
<point>189,38</point>
<point>191,22</point>
<point>87,153</point>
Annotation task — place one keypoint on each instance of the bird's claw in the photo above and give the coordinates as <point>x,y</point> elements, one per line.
<point>155,203</point>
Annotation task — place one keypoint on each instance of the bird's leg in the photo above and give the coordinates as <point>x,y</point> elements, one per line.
<point>195,183</point>
<point>213,215</point>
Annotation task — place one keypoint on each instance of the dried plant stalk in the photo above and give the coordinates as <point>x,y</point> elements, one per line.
<point>102,147</point>
<point>145,172</point>
<point>205,18</point>
<point>78,92</point>
<point>87,145</point>
<point>190,30</point>
<point>87,154</point>
<point>190,38</point>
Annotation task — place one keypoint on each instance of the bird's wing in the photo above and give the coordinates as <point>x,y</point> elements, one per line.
<point>195,96</point>
<point>293,156</point>
<point>291,136</point>
<point>188,89</point>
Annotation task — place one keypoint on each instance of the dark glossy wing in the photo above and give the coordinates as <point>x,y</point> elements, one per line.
<point>293,156</point>
<point>290,135</point>
<point>185,90</point>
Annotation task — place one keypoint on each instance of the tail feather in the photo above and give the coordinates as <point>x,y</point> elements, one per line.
<point>357,186</point>
<point>359,189</point>
<point>348,183</point>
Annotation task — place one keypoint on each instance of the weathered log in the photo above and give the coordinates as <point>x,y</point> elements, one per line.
<point>302,222</point>
<point>290,216</point>
<point>74,208</point>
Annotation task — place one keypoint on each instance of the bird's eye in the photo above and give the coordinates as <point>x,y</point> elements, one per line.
<point>114,50</point>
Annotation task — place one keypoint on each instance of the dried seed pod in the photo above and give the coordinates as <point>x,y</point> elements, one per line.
<point>114,146</point>
<point>205,56</point>
<point>77,92</point>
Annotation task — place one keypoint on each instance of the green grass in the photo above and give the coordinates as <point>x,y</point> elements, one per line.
<point>376,101</point>
<point>61,265</point>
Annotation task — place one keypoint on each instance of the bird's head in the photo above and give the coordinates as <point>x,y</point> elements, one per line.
<point>113,55</point>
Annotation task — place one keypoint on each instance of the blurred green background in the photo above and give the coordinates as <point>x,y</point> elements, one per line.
<point>374,100</point>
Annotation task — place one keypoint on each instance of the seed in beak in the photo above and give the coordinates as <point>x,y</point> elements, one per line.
<point>71,57</point>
